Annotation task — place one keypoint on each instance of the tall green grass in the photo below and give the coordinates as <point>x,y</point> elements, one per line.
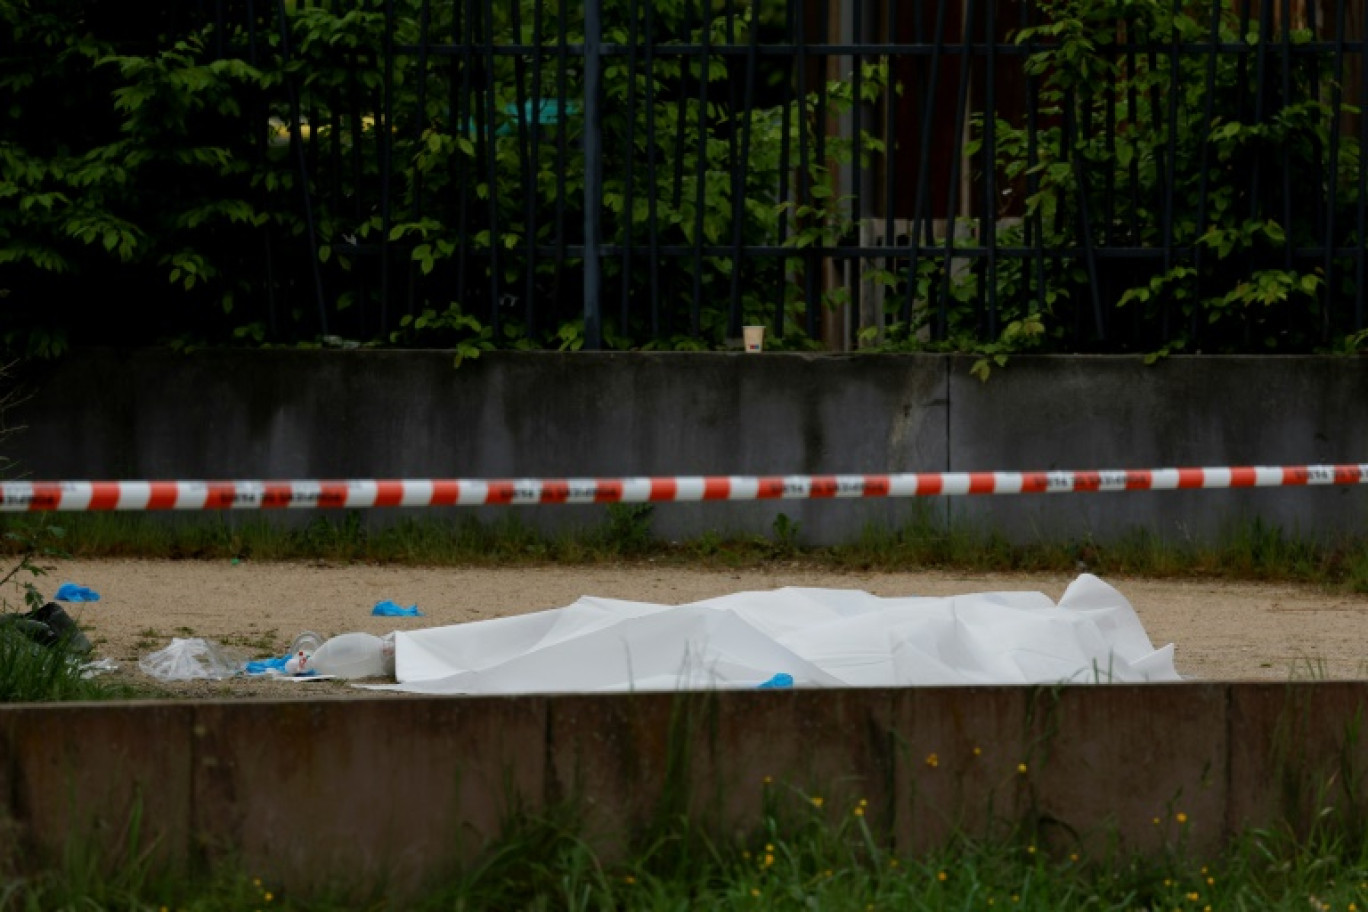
<point>1247,550</point>
<point>33,671</point>
<point>827,859</point>
<point>30,673</point>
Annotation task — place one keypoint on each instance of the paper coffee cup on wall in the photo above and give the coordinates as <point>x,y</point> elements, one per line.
<point>755,338</point>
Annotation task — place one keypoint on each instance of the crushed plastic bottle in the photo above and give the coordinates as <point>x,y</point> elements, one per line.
<point>299,661</point>
<point>307,641</point>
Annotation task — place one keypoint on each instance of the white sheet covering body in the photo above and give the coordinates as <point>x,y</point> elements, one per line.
<point>819,637</point>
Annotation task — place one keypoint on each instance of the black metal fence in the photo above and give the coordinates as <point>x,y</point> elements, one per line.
<point>1061,174</point>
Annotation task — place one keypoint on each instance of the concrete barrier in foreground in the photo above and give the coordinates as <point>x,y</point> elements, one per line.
<point>352,794</point>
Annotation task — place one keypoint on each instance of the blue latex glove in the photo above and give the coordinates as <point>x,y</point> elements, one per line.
<point>390,609</point>
<point>273,666</point>
<point>780,681</point>
<point>70,592</point>
<point>263,666</point>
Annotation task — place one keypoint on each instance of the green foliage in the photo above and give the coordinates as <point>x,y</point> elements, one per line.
<point>785,534</point>
<point>29,543</point>
<point>1129,149</point>
<point>1108,149</point>
<point>628,529</point>
<point>179,163</point>
<point>1247,550</point>
<point>801,850</point>
<point>173,165</point>
<point>668,177</point>
<point>30,672</point>
<point>452,329</point>
<point>119,166</point>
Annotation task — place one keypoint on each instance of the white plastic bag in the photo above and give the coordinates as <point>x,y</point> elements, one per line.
<point>98,667</point>
<point>191,659</point>
<point>353,655</point>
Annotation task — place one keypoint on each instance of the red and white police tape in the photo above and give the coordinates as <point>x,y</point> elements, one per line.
<point>24,496</point>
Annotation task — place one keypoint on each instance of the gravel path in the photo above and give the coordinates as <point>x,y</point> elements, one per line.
<point>1222,630</point>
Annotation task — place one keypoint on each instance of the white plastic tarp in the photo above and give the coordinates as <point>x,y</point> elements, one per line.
<point>818,637</point>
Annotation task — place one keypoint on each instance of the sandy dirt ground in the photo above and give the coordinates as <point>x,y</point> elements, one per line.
<point>1222,630</point>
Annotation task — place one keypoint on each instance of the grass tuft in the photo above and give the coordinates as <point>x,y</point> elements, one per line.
<point>804,855</point>
<point>1252,550</point>
<point>30,673</point>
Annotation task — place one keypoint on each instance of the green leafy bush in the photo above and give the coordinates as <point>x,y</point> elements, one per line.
<point>1223,166</point>
<point>162,159</point>
<point>187,184</point>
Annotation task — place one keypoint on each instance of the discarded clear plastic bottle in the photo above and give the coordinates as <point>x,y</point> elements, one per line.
<point>351,655</point>
<point>301,653</point>
<point>308,641</point>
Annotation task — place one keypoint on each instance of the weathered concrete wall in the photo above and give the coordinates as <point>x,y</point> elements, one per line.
<point>1103,412</point>
<point>337,794</point>
<point>278,414</point>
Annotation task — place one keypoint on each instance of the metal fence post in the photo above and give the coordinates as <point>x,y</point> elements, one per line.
<point>593,172</point>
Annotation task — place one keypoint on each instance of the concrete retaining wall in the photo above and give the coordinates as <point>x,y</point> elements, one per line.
<point>264,414</point>
<point>349,794</point>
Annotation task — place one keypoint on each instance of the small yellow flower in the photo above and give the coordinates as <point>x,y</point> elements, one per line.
<point>1030,850</point>
<point>1180,817</point>
<point>892,862</point>
<point>746,855</point>
<point>1167,882</point>
<point>628,879</point>
<point>1021,768</point>
<point>816,800</point>
<point>864,802</point>
<point>859,812</point>
<point>256,881</point>
<point>978,751</point>
<point>1156,821</point>
<point>1211,881</point>
<point>1016,898</point>
<point>769,847</point>
<point>932,761</point>
<point>828,873</point>
<point>755,891</point>
<point>1193,897</point>
<point>267,896</point>
<point>1073,856</point>
<point>769,860</point>
<point>1204,869</point>
<point>942,876</point>
<point>768,780</point>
